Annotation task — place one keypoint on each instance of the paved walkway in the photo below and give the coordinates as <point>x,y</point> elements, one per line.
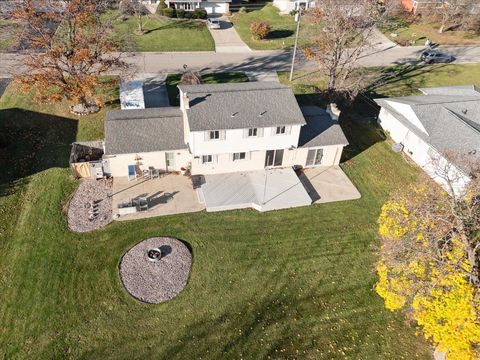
<point>227,39</point>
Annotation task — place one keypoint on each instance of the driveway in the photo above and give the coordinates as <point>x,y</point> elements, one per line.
<point>227,40</point>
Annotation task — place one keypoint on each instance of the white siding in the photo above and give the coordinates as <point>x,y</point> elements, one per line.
<point>119,163</point>
<point>214,7</point>
<point>235,141</point>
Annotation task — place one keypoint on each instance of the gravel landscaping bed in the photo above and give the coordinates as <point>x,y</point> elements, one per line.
<point>91,206</point>
<point>156,281</point>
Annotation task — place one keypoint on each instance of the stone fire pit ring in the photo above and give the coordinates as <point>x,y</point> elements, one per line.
<point>156,269</point>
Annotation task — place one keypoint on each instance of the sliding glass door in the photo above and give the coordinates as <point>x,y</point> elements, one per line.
<point>314,157</point>
<point>274,158</point>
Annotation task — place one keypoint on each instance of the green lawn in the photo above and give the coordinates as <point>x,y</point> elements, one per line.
<point>173,80</point>
<point>286,284</point>
<point>421,30</point>
<point>163,34</point>
<point>396,80</point>
<point>283,28</point>
<point>9,31</point>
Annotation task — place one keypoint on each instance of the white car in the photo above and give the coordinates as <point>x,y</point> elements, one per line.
<point>213,23</point>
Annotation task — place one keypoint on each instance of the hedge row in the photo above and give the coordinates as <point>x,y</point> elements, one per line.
<point>182,14</point>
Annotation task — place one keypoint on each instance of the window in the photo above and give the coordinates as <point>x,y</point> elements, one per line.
<point>214,135</point>
<point>252,132</point>
<point>274,158</point>
<point>314,157</point>
<point>207,159</point>
<point>239,156</point>
<point>280,130</point>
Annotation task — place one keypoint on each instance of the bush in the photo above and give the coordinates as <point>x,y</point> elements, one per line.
<point>180,13</point>
<point>169,12</point>
<point>200,13</point>
<point>162,6</point>
<point>259,29</point>
<point>242,10</point>
<point>188,15</point>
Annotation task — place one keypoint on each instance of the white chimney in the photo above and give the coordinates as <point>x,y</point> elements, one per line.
<point>333,111</point>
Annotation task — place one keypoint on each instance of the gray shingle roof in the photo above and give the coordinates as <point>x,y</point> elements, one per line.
<point>241,105</point>
<point>321,129</point>
<point>451,121</point>
<point>145,130</point>
<point>464,90</point>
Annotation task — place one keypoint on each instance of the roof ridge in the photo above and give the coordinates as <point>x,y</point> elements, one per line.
<point>462,121</point>
<point>444,102</point>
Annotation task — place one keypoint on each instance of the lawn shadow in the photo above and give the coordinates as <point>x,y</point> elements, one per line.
<point>279,34</point>
<point>31,142</point>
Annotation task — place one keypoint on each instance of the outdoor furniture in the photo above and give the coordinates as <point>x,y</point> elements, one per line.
<point>141,203</point>
<point>126,207</point>
<point>167,197</point>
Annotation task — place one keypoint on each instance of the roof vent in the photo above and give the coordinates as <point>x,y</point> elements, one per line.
<point>464,111</point>
<point>262,113</point>
<point>235,114</point>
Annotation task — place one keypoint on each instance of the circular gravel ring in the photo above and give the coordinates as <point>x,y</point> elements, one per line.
<point>155,282</point>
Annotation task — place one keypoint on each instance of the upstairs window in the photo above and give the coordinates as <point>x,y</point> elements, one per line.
<point>252,132</point>
<point>280,130</point>
<point>214,135</point>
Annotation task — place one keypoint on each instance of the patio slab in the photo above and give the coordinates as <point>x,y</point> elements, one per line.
<point>183,199</point>
<point>328,184</point>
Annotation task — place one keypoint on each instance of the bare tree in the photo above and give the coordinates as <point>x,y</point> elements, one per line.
<point>347,27</point>
<point>454,13</point>
<point>75,48</point>
<point>137,9</point>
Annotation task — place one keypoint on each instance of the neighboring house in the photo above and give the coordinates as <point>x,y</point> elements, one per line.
<point>216,7</point>
<point>419,6</point>
<point>285,6</point>
<point>444,119</point>
<point>223,128</point>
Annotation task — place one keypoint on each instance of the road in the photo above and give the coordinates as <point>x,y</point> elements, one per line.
<point>255,60</point>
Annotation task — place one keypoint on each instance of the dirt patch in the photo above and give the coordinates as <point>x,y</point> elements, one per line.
<point>156,281</point>
<point>91,206</point>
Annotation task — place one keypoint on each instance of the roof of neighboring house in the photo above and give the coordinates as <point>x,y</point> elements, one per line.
<point>450,115</point>
<point>145,130</point>
<point>241,105</point>
<point>321,129</point>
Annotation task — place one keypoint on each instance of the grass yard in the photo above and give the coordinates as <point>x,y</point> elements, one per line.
<point>420,31</point>
<point>395,80</point>
<point>173,80</point>
<point>9,32</point>
<point>283,28</point>
<point>163,34</point>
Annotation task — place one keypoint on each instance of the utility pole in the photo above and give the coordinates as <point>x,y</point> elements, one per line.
<point>298,15</point>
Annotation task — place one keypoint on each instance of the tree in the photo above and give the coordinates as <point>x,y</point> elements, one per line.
<point>259,29</point>
<point>137,9</point>
<point>429,261</point>
<point>346,27</point>
<point>454,13</point>
<point>70,58</point>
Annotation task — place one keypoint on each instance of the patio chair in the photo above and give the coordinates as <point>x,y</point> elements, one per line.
<point>141,203</point>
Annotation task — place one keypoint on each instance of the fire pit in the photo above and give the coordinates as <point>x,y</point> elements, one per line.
<point>154,254</point>
<point>150,280</point>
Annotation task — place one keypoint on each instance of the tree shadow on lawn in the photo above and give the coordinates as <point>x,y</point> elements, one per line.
<point>178,24</point>
<point>31,142</point>
<point>279,34</point>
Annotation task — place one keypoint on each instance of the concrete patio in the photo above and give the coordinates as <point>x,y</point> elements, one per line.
<point>168,195</point>
<point>328,184</point>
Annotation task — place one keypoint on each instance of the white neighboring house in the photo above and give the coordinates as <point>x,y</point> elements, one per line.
<point>444,119</point>
<point>216,7</point>
<point>223,128</point>
<point>285,6</point>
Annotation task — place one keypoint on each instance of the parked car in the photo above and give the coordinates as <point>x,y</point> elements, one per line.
<point>431,56</point>
<point>213,23</point>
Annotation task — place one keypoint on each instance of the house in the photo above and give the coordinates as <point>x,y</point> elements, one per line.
<point>419,6</point>
<point>216,7</point>
<point>442,120</point>
<point>220,129</point>
<point>286,6</point>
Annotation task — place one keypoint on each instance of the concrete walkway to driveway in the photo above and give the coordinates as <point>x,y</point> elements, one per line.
<point>328,184</point>
<point>227,40</point>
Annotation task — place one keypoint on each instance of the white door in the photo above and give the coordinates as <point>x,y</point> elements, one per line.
<point>169,161</point>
